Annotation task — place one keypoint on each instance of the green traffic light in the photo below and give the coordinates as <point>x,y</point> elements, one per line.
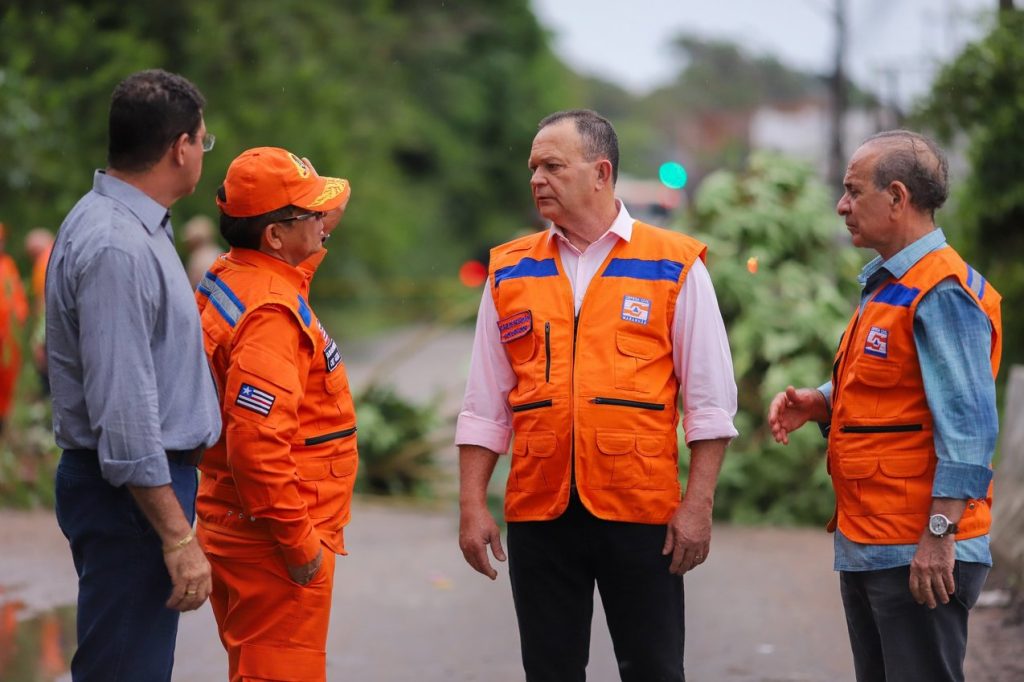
<point>672,175</point>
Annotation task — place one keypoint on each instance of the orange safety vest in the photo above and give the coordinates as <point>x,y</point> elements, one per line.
<point>881,449</point>
<point>596,396</point>
<point>323,442</point>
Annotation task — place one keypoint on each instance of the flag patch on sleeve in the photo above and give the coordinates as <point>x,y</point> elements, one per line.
<point>252,398</point>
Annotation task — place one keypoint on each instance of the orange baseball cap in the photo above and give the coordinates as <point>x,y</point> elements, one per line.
<point>264,179</point>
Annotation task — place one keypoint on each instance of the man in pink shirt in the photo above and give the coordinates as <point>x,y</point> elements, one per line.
<point>587,336</point>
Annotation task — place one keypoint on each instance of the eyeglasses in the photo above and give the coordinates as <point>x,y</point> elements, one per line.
<point>209,139</point>
<point>315,215</point>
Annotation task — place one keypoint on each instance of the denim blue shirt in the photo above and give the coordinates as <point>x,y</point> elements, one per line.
<point>123,341</point>
<point>953,337</point>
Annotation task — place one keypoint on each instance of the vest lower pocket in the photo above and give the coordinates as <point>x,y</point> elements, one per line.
<point>626,459</point>
<point>894,483</point>
<point>532,467</point>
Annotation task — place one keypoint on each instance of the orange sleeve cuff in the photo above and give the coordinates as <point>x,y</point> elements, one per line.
<point>305,551</point>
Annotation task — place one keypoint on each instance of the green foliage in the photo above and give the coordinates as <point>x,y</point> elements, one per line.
<point>395,452</point>
<point>981,94</point>
<point>784,323</point>
<point>428,108</point>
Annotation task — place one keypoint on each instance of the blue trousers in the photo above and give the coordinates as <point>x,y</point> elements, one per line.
<point>125,633</point>
<point>895,639</point>
<point>553,567</point>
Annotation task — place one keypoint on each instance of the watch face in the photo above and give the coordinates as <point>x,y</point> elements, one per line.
<point>938,524</point>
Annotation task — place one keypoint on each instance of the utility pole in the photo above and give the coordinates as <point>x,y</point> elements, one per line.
<point>837,160</point>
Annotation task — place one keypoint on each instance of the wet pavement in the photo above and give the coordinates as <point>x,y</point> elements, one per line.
<point>764,607</point>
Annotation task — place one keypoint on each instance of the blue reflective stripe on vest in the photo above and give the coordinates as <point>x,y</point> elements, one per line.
<point>527,267</point>
<point>637,268</point>
<point>975,282</point>
<point>223,299</point>
<point>896,294</point>
<point>304,312</point>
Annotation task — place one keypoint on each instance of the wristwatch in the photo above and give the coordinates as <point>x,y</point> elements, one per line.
<point>940,526</point>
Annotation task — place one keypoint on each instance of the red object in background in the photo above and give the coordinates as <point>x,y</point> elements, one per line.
<point>473,273</point>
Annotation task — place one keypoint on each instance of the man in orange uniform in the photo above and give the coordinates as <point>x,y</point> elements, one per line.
<point>276,487</point>
<point>911,420</point>
<point>13,312</point>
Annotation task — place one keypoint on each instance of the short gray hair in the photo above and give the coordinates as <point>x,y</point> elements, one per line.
<point>917,162</point>
<point>599,138</point>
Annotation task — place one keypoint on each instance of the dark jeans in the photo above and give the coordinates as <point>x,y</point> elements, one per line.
<point>553,566</point>
<point>895,639</point>
<point>125,633</point>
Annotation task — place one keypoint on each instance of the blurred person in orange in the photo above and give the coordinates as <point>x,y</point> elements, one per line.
<point>201,246</point>
<point>38,245</point>
<point>275,491</point>
<point>13,313</point>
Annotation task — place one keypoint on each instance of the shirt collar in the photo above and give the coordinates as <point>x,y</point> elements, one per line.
<point>150,213</point>
<point>901,262</point>
<point>621,227</point>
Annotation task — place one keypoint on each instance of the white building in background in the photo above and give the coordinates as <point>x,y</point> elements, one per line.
<point>803,130</point>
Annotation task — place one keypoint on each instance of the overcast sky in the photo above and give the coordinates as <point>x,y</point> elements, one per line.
<point>629,42</point>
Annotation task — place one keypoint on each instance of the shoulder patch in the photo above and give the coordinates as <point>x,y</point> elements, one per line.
<point>255,399</point>
<point>515,326</point>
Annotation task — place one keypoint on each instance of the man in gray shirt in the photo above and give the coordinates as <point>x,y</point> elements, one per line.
<point>134,403</point>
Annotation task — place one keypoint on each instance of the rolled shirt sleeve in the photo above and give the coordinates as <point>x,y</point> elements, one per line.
<point>117,302</point>
<point>954,339</point>
<point>486,418</point>
<point>702,360</point>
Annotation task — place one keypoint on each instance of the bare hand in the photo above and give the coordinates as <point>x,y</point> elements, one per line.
<point>931,570</point>
<point>688,538</point>
<point>792,409</point>
<point>306,572</point>
<point>477,530</point>
<point>190,577</point>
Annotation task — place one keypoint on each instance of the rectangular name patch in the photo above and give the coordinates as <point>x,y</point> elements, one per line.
<point>877,343</point>
<point>636,309</point>
<point>252,398</point>
<point>515,326</point>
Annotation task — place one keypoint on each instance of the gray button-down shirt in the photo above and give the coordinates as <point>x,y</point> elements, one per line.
<point>127,367</point>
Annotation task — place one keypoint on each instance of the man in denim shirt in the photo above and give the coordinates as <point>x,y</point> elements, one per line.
<point>911,419</point>
<point>134,403</point>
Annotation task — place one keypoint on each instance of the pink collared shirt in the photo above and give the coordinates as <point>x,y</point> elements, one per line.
<point>700,355</point>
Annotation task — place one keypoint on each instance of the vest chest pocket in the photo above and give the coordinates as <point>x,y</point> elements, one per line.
<point>633,353</point>
<point>521,352</point>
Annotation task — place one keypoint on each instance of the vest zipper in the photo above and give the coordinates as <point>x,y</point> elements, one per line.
<point>547,352</point>
<point>628,403</point>
<point>316,440</point>
<point>532,406</point>
<point>890,428</point>
<point>572,414</point>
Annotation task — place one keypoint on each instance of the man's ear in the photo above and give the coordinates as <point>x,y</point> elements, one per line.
<point>271,237</point>
<point>899,196</point>
<point>604,172</point>
<point>177,149</point>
